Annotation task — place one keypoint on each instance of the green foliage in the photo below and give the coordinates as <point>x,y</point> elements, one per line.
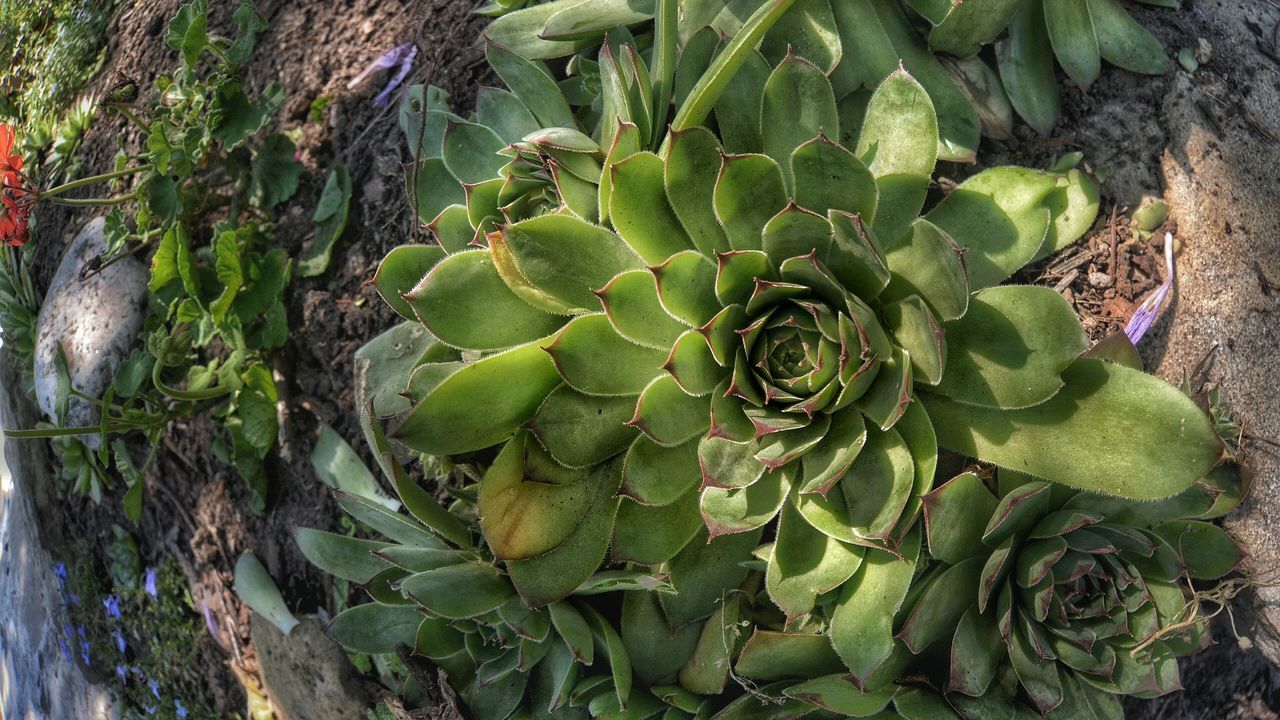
<point>49,49</point>
<point>162,634</point>
<point>200,200</point>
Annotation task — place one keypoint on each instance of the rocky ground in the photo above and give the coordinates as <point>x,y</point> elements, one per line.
<point>1207,141</point>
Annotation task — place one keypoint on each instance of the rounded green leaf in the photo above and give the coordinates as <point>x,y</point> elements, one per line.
<point>503,113</point>
<point>459,591</point>
<point>915,328</point>
<point>562,257</point>
<point>927,264</point>
<point>341,556</point>
<point>806,563</point>
<point>596,360</point>
<point>651,535</point>
<point>1123,42</point>
<point>829,177</point>
<point>771,655</point>
<point>738,109</point>
<point>482,404</point>
<point>955,517</point>
<point>941,605</point>
<point>656,650</point>
<point>580,430</point>
<point>1000,217</point>
<point>1207,550</point>
<point>1070,26</point>
<point>639,210</point>
<point>402,269</point>
<point>432,189</point>
<point>837,694</point>
<point>452,228</point>
<point>862,625</point>
<point>831,459</point>
<point>686,287</point>
<point>464,302</point>
<point>748,193</point>
<point>899,144</point>
<point>668,415</point>
<point>737,510</point>
<point>471,152</point>
<point>528,80</point>
<point>809,30</point>
<point>522,517</point>
<point>1025,61</point>
<point>693,365</point>
<point>1109,430</point>
<point>374,628</point>
<point>1010,349</point>
<point>798,105</point>
<point>631,303</point>
<point>657,475</point>
<point>703,570</point>
<point>547,578</point>
<point>691,167</point>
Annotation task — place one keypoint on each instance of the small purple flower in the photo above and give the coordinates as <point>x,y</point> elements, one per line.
<point>155,688</point>
<point>122,673</point>
<point>60,572</point>
<point>80,631</point>
<point>119,638</point>
<point>84,651</point>
<point>151,709</point>
<point>1146,313</point>
<point>66,651</point>
<point>211,623</point>
<point>150,584</point>
<point>73,598</point>
<point>112,604</point>
<point>181,711</point>
<point>402,56</point>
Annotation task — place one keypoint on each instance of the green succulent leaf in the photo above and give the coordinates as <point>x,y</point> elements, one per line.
<point>595,360</point>
<point>899,143</point>
<point>805,563</point>
<point>1025,60</point>
<point>528,80</point>
<point>798,105</point>
<point>341,556</point>
<point>463,301</point>
<point>561,258</point>
<point>740,510</point>
<point>703,572</point>
<point>459,591</point>
<point>955,517</point>
<point>639,209</point>
<point>631,303</point>
<point>1010,348</point>
<point>1125,43</point>
<point>581,430</point>
<point>652,535</point>
<point>482,404</point>
<point>1070,26</point>
<point>772,655</point>
<point>374,628</point>
<point>862,624</point>
<point>749,191</point>
<point>1110,430</point>
<point>691,166</point>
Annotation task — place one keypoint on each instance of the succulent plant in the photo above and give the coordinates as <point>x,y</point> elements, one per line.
<point>860,42</point>
<point>1075,591</point>
<point>698,345</point>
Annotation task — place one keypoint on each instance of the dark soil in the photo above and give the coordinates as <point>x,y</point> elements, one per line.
<point>198,510</point>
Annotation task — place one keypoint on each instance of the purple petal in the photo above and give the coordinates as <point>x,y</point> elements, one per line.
<point>406,65</point>
<point>390,59</point>
<point>151,582</point>
<point>1146,313</point>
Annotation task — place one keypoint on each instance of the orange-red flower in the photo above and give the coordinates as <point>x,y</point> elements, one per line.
<point>10,164</point>
<point>15,205</point>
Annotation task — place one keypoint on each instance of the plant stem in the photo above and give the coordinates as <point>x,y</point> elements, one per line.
<point>92,202</point>
<point>82,182</point>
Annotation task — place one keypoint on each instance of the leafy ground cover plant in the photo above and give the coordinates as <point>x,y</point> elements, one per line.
<point>860,42</point>
<point>136,628</point>
<point>199,203</point>
<point>722,380</point>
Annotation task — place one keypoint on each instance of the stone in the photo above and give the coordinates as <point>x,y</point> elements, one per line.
<point>306,675</point>
<point>1221,175</point>
<point>96,320</point>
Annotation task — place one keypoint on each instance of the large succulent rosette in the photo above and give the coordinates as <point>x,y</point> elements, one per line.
<point>713,369</point>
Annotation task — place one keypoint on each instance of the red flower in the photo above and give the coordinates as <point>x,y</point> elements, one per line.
<point>10,164</point>
<point>13,221</point>
<point>15,205</point>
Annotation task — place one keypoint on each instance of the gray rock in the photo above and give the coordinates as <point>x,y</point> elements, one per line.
<point>96,321</point>
<point>307,676</point>
<point>1221,179</point>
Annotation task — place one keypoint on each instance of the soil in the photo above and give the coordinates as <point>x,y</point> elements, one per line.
<point>198,510</point>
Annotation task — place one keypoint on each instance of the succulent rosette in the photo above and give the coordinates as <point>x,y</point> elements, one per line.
<point>1085,597</point>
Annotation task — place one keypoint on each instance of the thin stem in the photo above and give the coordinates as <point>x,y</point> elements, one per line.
<point>128,115</point>
<point>82,182</point>
<point>176,394</point>
<point>92,202</point>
